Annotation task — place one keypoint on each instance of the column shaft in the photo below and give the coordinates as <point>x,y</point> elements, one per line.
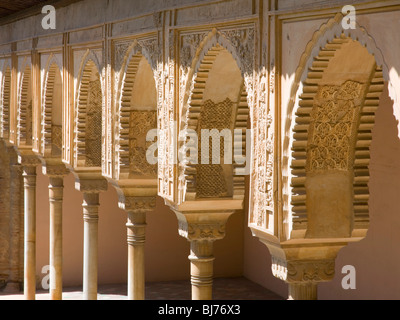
<point>29,174</point>
<point>56,200</point>
<point>90,255</point>
<point>136,227</point>
<point>303,291</point>
<point>201,269</point>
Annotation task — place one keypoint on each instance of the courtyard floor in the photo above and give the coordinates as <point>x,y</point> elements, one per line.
<point>224,289</point>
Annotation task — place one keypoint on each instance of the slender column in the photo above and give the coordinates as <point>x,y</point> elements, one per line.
<point>90,184</point>
<point>303,291</point>
<point>90,255</point>
<point>29,174</point>
<point>136,207</point>
<point>56,188</point>
<point>16,245</point>
<point>201,269</point>
<point>136,227</point>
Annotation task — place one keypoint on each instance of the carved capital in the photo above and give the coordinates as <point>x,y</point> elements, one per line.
<point>91,185</point>
<point>202,227</point>
<point>303,271</point>
<point>202,231</point>
<point>55,170</point>
<point>137,204</point>
<point>311,271</point>
<point>28,160</point>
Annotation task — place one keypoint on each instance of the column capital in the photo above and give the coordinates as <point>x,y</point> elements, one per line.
<point>304,271</point>
<point>203,226</point>
<point>88,186</point>
<point>137,204</point>
<point>28,160</point>
<point>55,170</point>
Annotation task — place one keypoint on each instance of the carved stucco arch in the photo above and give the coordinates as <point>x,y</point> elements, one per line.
<point>127,79</point>
<point>211,46</point>
<point>23,130</point>
<point>88,69</point>
<point>329,35</point>
<point>53,65</point>
<point>5,100</point>
<point>244,57</point>
<point>89,56</point>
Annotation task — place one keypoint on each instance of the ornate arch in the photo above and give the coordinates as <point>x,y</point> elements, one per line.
<point>53,66</point>
<point>91,57</point>
<point>24,107</point>
<point>82,116</point>
<point>240,43</point>
<point>5,95</point>
<point>124,111</point>
<point>207,53</point>
<point>301,119</point>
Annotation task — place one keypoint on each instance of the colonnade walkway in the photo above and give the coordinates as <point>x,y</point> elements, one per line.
<point>224,289</point>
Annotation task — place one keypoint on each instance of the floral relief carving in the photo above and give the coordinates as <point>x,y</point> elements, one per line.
<point>336,111</point>
<point>141,123</point>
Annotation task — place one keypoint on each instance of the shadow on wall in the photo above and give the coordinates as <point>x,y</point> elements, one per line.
<point>376,258</point>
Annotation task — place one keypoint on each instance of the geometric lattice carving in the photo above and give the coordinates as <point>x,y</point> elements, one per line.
<point>56,140</point>
<point>94,125</point>
<point>211,180</point>
<point>140,124</point>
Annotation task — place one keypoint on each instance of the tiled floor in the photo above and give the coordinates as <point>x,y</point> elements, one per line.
<point>224,289</point>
